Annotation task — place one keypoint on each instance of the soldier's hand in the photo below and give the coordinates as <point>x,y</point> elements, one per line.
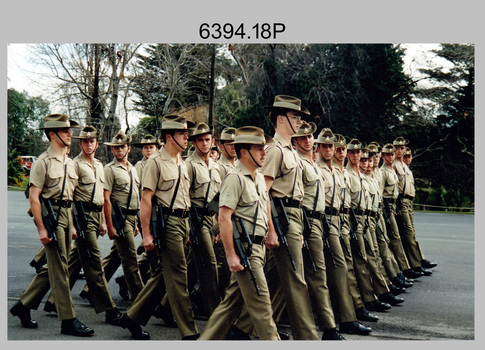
<point>234,263</point>
<point>272,239</point>
<point>137,230</point>
<point>112,232</point>
<point>74,232</point>
<point>44,236</point>
<point>103,229</point>
<point>148,242</point>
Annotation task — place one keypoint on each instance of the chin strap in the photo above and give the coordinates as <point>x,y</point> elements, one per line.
<point>178,144</point>
<point>195,144</point>
<point>291,126</point>
<point>55,132</point>
<point>254,160</point>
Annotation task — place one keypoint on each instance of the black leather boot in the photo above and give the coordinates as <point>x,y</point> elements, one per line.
<point>23,313</point>
<point>74,327</point>
<point>135,329</point>
<point>331,334</point>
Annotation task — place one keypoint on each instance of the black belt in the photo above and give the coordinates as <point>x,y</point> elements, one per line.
<point>390,200</point>
<point>373,214</point>
<point>91,207</point>
<point>314,214</point>
<point>130,211</point>
<point>204,212</point>
<point>181,213</point>
<point>290,202</point>
<point>345,211</point>
<point>331,211</point>
<point>61,203</point>
<point>408,197</point>
<point>359,211</point>
<point>259,239</point>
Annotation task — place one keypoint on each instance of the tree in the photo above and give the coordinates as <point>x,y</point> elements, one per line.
<point>90,82</point>
<point>25,113</point>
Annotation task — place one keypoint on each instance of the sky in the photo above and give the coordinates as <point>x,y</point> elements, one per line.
<point>20,67</point>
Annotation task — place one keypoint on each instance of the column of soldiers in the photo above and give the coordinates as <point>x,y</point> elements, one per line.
<point>297,225</point>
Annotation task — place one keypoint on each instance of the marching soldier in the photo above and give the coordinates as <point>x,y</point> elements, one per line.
<point>122,198</point>
<point>314,210</point>
<point>149,145</point>
<point>338,164</point>
<point>89,215</point>
<point>283,176</point>
<point>53,179</point>
<point>407,232</point>
<point>165,189</point>
<point>387,257</point>
<point>390,192</point>
<point>338,275</point>
<point>244,199</point>
<point>205,181</point>
<point>408,158</point>
<point>228,154</point>
<point>385,290</point>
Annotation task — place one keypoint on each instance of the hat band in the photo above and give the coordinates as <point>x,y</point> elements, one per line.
<point>258,140</point>
<point>283,104</point>
<point>169,125</point>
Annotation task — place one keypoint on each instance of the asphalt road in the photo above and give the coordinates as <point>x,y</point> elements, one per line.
<point>438,307</point>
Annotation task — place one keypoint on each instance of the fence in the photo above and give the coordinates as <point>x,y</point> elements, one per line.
<point>419,206</point>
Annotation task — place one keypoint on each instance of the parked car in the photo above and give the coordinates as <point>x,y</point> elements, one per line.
<point>27,161</point>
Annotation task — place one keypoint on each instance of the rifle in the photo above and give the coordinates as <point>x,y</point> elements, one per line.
<point>195,225</point>
<point>307,230</point>
<point>386,212</point>
<point>281,223</point>
<point>241,252</point>
<point>326,243</point>
<point>50,222</point>
<point>398,205</point>
<point>366,240</point>
<point>118,219</point>
<point>157,225</point>
<point>341,237</point>
<point>81,224</point>
<point>353,234</point>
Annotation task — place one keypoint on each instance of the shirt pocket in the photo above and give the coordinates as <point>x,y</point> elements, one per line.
<point>168,179</point>
<point>54,176</point>
<point>288,164</point>
<point>310,177</point>
<point>249,198</point>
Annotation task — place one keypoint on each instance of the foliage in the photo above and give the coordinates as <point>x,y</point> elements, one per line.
<point>24,114</point>
<point>16,172</point>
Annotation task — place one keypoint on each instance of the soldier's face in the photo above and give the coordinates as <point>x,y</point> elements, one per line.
<point>89,146</point>
<point>181,137</point>
<point>389,158</point>
<point>148,150</point>
<point>408,159</point>
<point>258,153</point>
<point>65,134</point>
<point>305,142</point>
<point>354,156</point>
<point>120,152</point>
<point>363,164</point>
<point>326,151</point>
<point>341,153</point>
<point>228,149</point>
<point>400,151</point>
<point>295,119</point>
<point>203,143</point>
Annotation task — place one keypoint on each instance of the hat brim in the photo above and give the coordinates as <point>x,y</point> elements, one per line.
<point>302,110</point>
<point>72,124</point>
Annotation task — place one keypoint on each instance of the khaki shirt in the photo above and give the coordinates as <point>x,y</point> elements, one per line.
<point>202,177</point>
<point>406,178</point>
<point>373,193</point>
<point>377,176</point>
<point>139,168</point>
<point>312,179</point>
<point>284,166</point>
<point>118,183</point>
<point>161,174</point>
<point>47,173</point>
<point>240,193</point>
<point>389,184</point>
<point>89,176</point>
<point>344,180</point>
<point>333,185</point>
<point>225,166</point>
<point>357,195</point>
